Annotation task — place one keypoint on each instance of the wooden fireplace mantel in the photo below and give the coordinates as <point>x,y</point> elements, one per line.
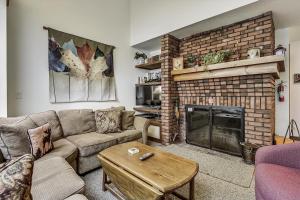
<point>263,65</point>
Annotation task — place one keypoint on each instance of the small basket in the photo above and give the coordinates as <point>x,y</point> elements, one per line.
<point>249,151</point>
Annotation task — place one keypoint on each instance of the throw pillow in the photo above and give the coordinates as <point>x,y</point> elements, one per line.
<point>127,120</point>
<point>40,140</point>
<point>15,178</point>
<point>108,121</point>
<point>13,138</point>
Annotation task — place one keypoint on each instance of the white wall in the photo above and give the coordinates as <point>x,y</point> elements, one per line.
<point>294,33</point>
<point>295,87</point>
<point>150,19</point>
<point>282,108</point>
<point>105,21</point>
<point>285,111</point>
<point>3,68</point>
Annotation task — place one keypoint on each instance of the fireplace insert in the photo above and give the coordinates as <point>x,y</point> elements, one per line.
<point>215,127</point>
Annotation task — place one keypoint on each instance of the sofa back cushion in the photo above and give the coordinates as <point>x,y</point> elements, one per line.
<point>14,140</point>
<point>49,117</point>
<point>77,121</point>
<point>127,120</point>
<point>8,120</point>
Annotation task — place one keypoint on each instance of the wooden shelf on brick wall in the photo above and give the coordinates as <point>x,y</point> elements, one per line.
<point>150,83</point>
<point>147,110</point>
<point>150,66</point>
<point>263,65</point>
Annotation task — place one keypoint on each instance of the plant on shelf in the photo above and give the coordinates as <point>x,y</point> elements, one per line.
<point>191,60</point>
<point>140,58</point>
<point>216,57</point>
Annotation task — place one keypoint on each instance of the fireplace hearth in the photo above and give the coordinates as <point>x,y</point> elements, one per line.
<point>216,127</point>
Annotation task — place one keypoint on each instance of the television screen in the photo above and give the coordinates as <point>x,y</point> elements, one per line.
<point>148,95</point>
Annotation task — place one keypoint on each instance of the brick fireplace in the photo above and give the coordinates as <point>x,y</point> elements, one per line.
<point>255,93</point>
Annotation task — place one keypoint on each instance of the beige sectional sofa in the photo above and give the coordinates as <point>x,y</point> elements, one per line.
<point>76,145</point>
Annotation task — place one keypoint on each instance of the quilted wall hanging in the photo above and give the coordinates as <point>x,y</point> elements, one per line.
<point>79,69</point>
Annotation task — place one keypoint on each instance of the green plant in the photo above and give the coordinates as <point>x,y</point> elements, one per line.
<point>216,57</point>
<point>191,59</point>
<point>140,55</point>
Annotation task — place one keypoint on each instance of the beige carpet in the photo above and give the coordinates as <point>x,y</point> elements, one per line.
<point>221,177</point>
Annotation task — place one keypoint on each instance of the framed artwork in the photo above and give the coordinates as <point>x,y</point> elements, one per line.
<point>296,78</point>
<point>79,69</point>
<point>178,63</point>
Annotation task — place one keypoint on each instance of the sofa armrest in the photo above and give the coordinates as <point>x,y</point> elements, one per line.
<point>142,124</point>
<point>286,155</point>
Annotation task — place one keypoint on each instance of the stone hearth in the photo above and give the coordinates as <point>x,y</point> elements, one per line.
<point>254,92</point>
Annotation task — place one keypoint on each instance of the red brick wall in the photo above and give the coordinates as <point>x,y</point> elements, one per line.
<point>169,50</point>
<point>255,93</point>
<point>239,37</point>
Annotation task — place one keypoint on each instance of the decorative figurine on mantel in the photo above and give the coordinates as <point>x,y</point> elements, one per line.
<point>178,63</point>
<point>254,53</point>
<point>280,50</point>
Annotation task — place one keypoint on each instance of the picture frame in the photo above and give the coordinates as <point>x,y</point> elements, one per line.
<point>178,63</point>
<point>296,78</point>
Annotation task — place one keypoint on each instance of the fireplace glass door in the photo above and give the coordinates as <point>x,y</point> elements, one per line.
<point>215,127</point>
<point>198,126</point>
<point>227,130</point>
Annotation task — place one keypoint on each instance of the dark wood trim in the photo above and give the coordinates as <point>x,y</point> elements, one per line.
<point>149,83</point>
<point>192,189</point>
<point>150,66</point>
<point>154,139</point>
<point>104,181</point>
<point>147,110</point>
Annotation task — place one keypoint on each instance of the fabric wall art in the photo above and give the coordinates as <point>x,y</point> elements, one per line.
<point>79,69</point>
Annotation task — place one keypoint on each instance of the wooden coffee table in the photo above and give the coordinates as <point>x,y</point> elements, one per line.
<point>154,178</point>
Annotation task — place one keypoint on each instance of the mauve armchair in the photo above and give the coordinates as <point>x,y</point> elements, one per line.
<point>277,172</point>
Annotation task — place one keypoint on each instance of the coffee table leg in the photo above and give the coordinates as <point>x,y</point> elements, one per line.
<point>104,181</point>
<point>192,189</point>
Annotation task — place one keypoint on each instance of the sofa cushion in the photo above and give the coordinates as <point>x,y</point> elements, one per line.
<point>48,117</point>
<point>108,121</point>
<point>40,140</point>
<point>118,108</point>
<point>127,120</point>
<point>91,143</point>
<point>10,120</point>
<point>127,136</point>
<point>77,121</point>
<point>14,140</point>
<point>15,178</point>
<point>55,179</point>
<point>62,148</point>
<point>76,197</point>
<point>88,163</point>
<point>273,181</point>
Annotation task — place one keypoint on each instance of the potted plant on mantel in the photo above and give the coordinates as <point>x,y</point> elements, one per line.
<point>139,58</point>
<point>216,57</point>
<point>192,60</point>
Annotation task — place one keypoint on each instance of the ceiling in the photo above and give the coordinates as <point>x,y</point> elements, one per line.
<point>286,14</point>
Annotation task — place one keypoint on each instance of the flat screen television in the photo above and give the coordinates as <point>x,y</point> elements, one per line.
<point>148,95</point>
